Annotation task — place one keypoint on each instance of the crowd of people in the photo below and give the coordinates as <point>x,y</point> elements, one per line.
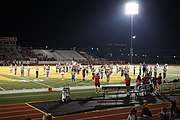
<point>172,113</point>
<point>148,77</point>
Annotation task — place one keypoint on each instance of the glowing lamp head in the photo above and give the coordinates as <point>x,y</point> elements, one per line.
<point>132,8</point>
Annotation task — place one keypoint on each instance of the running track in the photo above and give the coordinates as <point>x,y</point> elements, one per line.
<point>21,111</point>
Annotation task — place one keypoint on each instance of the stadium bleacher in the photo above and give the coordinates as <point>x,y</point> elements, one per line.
<point>58,55</point>
<point>70,55</point>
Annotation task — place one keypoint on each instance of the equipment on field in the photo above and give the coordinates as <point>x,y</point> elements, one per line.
<point>66,94</point>
<point>49,89</point>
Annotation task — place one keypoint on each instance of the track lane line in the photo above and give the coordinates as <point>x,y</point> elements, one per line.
<point>16,116</point>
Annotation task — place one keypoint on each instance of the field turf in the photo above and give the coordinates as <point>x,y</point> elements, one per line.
<point>9,81</point>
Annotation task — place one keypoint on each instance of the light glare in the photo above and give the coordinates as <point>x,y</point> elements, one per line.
<point>132,8</point>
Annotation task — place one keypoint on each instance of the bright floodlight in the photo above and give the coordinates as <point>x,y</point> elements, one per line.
<point>132,8</point>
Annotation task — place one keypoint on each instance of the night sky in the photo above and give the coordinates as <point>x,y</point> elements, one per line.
<point>90,23</point>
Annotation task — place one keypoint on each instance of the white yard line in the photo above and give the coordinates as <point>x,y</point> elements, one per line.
<point>2,89</point>
<point>32,81</point>
<point>40,83</point>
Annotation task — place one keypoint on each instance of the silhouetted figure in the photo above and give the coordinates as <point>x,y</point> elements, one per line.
<point>132,115</point>
<point>164,114</point>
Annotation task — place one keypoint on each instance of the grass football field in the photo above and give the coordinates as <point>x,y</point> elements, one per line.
<point>9,81</point>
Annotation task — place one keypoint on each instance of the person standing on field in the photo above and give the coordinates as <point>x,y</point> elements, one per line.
<point>37,71</point>
<point>62,73</point>
<point>11,68</point>
<point>144,68</point>
<point>108,74</point>
<point>164,73</point>
<point>83,73</point>
<point>28,70</point>
<point>47,71</point>
<point>93,73</point>
<point>44,68</point>
<point>57,68</point>
<point>22,70</point>
<point>155,71</point>
<point>128,83</point>
<point>138,83</point>
<point>97,82</point>
<point>127,80</point>
<point>15,69</point>
<point>159,81</point>
<point>87,70</point>
<point>73,73</point>
<point>134,70</point>
<point>140,67</point>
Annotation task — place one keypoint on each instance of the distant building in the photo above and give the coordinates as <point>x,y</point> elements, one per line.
<point>8,42</point>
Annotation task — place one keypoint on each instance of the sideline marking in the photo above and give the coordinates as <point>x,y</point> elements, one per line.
<point>35,108</point>
<point>23,81</point>
<point>52,94</point>
<point>38,80</point>
<point>2,89</point>
<point>27,96</point>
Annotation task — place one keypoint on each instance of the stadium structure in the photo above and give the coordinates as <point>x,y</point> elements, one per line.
<point>11,53</point>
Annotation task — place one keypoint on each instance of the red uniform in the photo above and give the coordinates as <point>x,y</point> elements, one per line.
<point>159,79</point>
<point>146,80</point>
<point>127,81</point>
<point>96,78</point>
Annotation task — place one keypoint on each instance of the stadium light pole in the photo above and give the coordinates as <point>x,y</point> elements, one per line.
<point>132,8</point>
